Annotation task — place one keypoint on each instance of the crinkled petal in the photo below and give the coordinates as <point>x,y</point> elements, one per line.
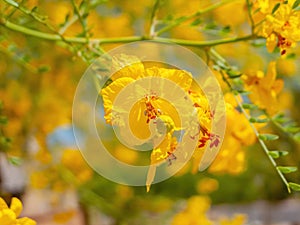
<point>180,77</point>
<point>110,92</point>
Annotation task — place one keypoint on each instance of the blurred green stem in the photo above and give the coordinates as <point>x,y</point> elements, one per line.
<point>218,57</point>
<point>82,40</point>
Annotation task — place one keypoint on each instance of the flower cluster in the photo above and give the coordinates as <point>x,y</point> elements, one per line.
<point>278,21</point>
<point>196,213</point>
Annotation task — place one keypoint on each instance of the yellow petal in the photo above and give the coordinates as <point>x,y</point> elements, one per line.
<point>150,176</point>
<point>3,204</point>
<point>138,121</point>
<point>135,71</point>
<point>7,217</point>
<point>271,42</point>
<point>110,92</point>
<point>270,77</point>
<point>180,77</point>
<point>26,221</point>
<point>16,206</point>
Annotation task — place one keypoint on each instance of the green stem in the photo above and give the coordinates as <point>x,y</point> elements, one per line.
<point>250,16</point>
<point>206,43</point>
<point>81,20</point>
<point>82,40</point>
<point>56,37</point>
<point>261,142</point>
<point>196,14</point>
<point>263,145</point>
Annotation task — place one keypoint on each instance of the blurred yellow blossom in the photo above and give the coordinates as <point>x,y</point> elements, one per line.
<point>286,67</point>
<point>264,88</point>
<point>194,213</point>
<point>73,160</point>
<point>231,157</point>
<point>207,185</point>
<point>223,14</point>
<point>64,216</point>
<point>9,215</point>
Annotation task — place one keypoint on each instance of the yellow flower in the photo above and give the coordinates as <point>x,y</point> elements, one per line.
<point>280,27</point>
<point>195,214</point>
<point>264,88</point>
<point>135,90</point>
<point>8,215</point>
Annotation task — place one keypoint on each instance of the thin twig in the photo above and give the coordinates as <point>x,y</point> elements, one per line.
<point>261,142</point>
<point>153,21</point>
<point>249,6</point>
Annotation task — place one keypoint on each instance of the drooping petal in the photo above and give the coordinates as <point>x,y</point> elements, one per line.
<point>150,176</point>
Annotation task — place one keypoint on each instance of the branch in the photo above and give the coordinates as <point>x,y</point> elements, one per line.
<point>82,40</point>
<point>206,43</point>
<point>257,134</point>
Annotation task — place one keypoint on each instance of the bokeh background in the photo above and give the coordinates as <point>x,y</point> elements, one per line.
<point>40,162</point>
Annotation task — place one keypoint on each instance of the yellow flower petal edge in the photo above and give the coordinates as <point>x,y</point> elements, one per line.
<point>8,216</point>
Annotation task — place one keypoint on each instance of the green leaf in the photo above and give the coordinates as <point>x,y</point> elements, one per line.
<point>196,22</point>
<point>297,136</point>
<point>291,56</point>
<point>180,19</point>
<point>268,137</point>
<point>3,120</point>
<point>241,92</point>
<point>275,8</point>
<point>13,3</point>
<point>43,69</point>
<point>233,74</point>
<point>249,106</point>
<point>280,118</point>
<point>296,4</point>
<point>277,154</point>
<point>210,26</point>
<point>294,186</point>
<point>287,169</point>
<point>291,129</point>
<point>258,120</point>
<point>16,161</point>
<point>226,29</point>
